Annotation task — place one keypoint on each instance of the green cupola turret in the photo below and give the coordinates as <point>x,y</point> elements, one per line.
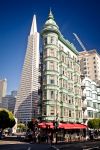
<point>50,24</point>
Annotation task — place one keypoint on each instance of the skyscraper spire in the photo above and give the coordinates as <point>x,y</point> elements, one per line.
<point>34,26</point>
<point>26,106</point>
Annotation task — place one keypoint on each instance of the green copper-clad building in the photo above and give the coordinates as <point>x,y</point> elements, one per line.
<point>61,85</point>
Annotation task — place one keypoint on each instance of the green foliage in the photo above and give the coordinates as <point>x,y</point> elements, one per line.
<point>21,127</point>
<point>94,123</point>
<point>7,119</point>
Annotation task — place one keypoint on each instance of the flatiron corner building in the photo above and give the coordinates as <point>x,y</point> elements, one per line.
<point>61,86</point>
<point>27,98</point>
<point>60,78</point>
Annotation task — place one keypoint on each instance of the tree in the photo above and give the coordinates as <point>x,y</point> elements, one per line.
<point>21,127</point>
<point>94,123</point>
<point>7,119</point>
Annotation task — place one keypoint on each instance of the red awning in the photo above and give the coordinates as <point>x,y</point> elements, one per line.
<point>68,126</point>
<point>42,125</point>
<point>74,126</point>
<point>46,124</point>
<point>80,126</point>
<point>62,125</point>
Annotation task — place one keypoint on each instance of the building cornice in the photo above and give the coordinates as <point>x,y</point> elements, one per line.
<point>68,44</point>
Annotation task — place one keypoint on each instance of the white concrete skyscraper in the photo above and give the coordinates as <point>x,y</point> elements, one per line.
<point>26,106</point>
<point>3,89</point>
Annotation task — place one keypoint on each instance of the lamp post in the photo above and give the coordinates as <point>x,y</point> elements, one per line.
<point>56,121</point>
<point>77,120</point>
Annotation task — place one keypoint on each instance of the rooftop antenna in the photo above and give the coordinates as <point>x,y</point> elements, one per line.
<point>79,41</point>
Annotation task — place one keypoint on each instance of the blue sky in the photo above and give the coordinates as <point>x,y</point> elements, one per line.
<point>79,16</point>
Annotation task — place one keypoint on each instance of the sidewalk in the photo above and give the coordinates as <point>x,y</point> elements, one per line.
<point>2,142</point>
<point>73,142</point>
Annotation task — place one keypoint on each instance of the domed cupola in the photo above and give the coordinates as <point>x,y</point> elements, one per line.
<point>50,24</point>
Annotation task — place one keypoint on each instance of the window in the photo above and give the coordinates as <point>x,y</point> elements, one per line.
<point>90,114</point>
<point>45,53</point>
<point>52,94</point>
<point>94,96</point>
<point>68,75</point>
<point>98,90</point>
<point>89,103</point>
<point>44,110</point>
<point>84,68</point>
<point>94,105</point>
<point>51,65</point>
<point>52,52</point>
<point>95,71</point>
<point>59,46</point>
<point>88,93</point>
<point>45,41</point>
<point>44,66</point>
<point>52,110</point>
<point>65,111</point>
<point>44,94</point>
<point>95,114</point>
<point>72,100</point>
<point>64,83</point>
<point>52,79</point>
<point>84,63</point>
<point>64,96</point>
<point>69,113</point>
<point>78,114</point>
<point>62,58</point>
<point>60,84</point>
<point>68,54</point>
<point>44,79</point>
<point>68,64</point>
<point>98,105</point>
<point>52,40</point>
<point>71,76</point>
<point>63,70</point>
<point>94,87</point>
<point>69,100</point>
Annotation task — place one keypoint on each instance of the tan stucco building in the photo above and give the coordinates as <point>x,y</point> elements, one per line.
<point>90,64</point>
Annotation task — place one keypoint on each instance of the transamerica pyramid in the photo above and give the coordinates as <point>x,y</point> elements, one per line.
<point>26,106</point>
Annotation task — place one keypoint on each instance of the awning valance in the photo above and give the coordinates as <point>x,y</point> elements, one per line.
<point>62,125</point>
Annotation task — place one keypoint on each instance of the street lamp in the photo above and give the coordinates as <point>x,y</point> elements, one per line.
<point>77,119</point>
<point>56,121</point>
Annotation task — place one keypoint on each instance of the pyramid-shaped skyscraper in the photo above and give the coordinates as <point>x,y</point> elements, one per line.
<point>26,106</point>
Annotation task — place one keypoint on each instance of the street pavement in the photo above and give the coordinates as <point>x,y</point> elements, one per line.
<point>88,145</point>
<point>24,146</point>
<point>15,144</point>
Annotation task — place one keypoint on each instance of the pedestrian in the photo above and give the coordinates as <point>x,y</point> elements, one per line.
<point>46,137</point>
<point>51,138</point>
<point>39,137</point>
